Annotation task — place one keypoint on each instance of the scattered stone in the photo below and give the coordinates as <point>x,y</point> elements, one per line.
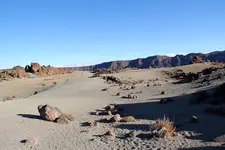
<point>130,96</point>
<point>163,101</point>
<point>36,92</point>
<point>54,83</point>
<point>8,98</point>
<point>30,141</point>
<point>133,87</point>
<point>111,133</point>
<point>92,123</point>
<point>186,134</point>
<point>157,84</point>
<point>128,119</point>
<point>112,79</point>
<point>163,92</point>
<point>118,94</point>
<point>194,119</point>
<point>105,89</point>
<point>116,118</point>
<point>133,133</point>
<point>110,107</point>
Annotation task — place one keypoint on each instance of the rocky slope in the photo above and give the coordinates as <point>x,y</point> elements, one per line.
<point>34,69</point>
<point>158,61</point>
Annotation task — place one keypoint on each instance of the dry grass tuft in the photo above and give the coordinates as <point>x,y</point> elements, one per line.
<point>163,128</point>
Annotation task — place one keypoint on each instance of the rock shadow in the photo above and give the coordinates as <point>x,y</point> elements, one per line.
<point>30,116</point>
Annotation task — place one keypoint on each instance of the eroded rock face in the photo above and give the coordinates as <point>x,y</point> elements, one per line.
<point>196,59</point>
<point>39,70</point>
<point>34,67</point>
<point>15,72</point>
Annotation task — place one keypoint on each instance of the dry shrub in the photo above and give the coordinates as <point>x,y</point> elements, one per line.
<point>163,128</point>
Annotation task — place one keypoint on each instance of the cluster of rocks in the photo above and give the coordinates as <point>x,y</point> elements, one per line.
<point>100,71</point>
<point>183,77</point>
<point>130,96</point>
<point>15,72</point>
<point>113,80</point>
<point>34,68</point>
<point>39,70</point>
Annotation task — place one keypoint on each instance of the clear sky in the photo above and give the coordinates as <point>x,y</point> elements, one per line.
<point>73,32</point>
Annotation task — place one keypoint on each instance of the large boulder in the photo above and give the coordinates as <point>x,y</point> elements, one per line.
<point>54,114</point>
<point>49,113</point>
<point>35,67</point>
<point>27,68</point>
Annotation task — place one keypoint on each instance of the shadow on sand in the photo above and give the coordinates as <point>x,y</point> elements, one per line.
<point>30,116</point>
<point>204,148</point>
<point>179,111</point>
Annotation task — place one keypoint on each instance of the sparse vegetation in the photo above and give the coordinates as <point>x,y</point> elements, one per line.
<point>163,127</point>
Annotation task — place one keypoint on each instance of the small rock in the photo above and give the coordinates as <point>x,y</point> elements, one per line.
<point>163,101</point>
<point>133,87</point>
<point>110,107</point>
<point>133,133</point>
<point>111,132</point>
<point>186,133</point>
<point>92,123</point>
<point>118,94</point>
<point>163,92</point>
<point>62,120</point>
<point>128,119</point>
<point>116,118</point>
<point>36,92</point>
<point>194,119</point>
<point>30,141</point>
<point>105,89</point>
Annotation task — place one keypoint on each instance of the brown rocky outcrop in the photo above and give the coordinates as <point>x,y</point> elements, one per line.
<point>15,72</point>
<point>35,67</point>
<point>196,59</point>
<point>39,70</point>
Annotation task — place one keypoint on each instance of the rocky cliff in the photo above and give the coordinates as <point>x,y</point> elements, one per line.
<point>159,61</point>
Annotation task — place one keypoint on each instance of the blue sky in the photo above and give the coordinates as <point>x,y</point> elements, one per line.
<point>73,32</point>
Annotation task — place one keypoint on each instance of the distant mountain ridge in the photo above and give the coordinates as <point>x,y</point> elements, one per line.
<point>156,61</point>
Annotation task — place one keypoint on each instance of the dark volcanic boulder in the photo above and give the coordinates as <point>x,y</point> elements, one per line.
<point>27,68</point>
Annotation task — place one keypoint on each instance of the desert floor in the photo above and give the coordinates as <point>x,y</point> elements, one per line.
<point>79,95</point>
